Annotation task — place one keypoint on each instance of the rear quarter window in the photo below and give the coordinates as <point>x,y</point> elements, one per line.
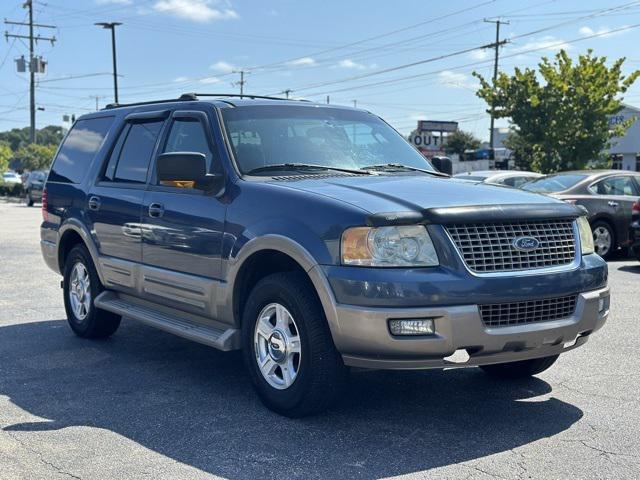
<point>79,148</point>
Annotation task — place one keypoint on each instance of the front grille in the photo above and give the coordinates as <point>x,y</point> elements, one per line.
<point>531,311</point>
<point>488,247</point>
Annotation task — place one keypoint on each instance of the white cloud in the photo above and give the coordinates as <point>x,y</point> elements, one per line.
<point>117,2</point>
<point>196,10</point>
<point>602,31</point>
<point>181,79</point>
<point>223,67</point>
<point>348,63</point>
<point>548,43</point>
<point>455,80</point>
<point>302,62</point>
<point>482,54</point>
<point>209,80</point>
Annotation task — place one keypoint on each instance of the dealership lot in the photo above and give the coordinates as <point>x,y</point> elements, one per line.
<point>145,404</point>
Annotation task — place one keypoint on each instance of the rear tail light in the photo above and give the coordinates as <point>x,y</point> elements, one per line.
<point>45,214</point>
<point>636,207</point>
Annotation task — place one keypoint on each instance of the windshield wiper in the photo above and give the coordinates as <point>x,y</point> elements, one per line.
<point>397,166</point>
<point>304,166</point>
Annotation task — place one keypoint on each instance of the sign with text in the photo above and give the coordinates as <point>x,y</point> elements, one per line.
<point>436,126</point>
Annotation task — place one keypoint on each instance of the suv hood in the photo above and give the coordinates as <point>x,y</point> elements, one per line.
<point>419,194</point>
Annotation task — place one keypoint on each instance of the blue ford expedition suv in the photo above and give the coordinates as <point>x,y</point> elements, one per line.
<point>314,238</point>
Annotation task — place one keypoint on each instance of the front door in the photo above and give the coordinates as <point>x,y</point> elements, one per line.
<point>182,226</point>
<point>617,194</point>
<point>115,201</point>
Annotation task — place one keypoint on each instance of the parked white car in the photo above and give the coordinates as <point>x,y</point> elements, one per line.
<point>510,178</point>
<point>11,177</point>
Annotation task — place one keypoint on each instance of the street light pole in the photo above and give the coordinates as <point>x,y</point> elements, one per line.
<point>112,26</point>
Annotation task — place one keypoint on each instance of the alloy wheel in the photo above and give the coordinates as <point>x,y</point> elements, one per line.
<point>80,291</point>
<point>277,345</point>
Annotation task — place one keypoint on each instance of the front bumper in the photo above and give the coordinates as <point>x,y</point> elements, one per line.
<point>365,340</point>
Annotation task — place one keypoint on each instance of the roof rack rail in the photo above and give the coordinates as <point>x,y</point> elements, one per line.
<point>185,97</point>
<point>190,97</point>
<point>244,95</point>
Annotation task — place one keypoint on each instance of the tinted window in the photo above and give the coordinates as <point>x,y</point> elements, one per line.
<point>135,155</point>
<point>333,137</point>
<point>517,181</point>
<point>614,186</point>
<point>79,148</point>
<point>188,135</point>
<point>553,183</point>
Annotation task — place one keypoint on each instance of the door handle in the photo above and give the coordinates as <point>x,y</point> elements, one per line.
<point>156,210</point>
<point>613,204</point>
<point>94,203</point>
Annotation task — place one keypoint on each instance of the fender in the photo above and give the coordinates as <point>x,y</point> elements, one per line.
<point>73,224</point>
<point>298,253</point>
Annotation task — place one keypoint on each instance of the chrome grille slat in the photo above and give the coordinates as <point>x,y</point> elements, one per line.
<point>488,247</point>
<point>526,312</point>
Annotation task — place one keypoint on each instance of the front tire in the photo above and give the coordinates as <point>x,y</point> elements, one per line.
<point>522,369</point>
<point>81,287</point>
<point>287,346</point>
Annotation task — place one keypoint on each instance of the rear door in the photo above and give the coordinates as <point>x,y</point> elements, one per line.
<point>183,226</point>
<point>115,200</point>
<point>617,194</point>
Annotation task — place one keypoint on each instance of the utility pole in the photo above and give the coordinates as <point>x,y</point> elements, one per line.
<point>242,81</point>
<point>97,98</point>
<point>355,103</point>
<point>498,43</point>
<point>328,100</point>
<point>36,64</point>
<point>112,26</point>
<point>287,92</point>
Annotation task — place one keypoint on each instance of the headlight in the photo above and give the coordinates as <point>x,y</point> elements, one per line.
<point>586,236</point>
<point>402,246</point>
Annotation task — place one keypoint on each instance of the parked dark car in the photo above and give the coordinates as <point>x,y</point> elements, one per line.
<point>634,230</point>
<point>608,196</point>
<point>34,185</point>
<point>313,238</point>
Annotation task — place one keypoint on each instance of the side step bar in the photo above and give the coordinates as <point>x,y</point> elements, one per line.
<point>222,339</point>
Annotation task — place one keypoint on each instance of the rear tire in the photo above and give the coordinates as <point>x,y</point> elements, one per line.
<point>604,240</point>
<point>81,287</point>
<point>287,346</point>
<point>522,369</point>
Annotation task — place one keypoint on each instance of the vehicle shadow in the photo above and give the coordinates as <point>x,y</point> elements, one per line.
<point>195,405</point>
<point>630,268</point>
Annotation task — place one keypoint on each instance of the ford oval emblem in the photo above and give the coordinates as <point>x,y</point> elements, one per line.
<point>526,244</point>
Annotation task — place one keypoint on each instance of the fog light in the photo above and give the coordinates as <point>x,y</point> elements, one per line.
<point>603,304</point>
<point>414,326</point>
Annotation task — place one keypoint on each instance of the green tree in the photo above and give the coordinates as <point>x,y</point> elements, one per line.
<point>459,141</point>
<point>19,137</point>
<point>35,156</point>
<point>560,112</point>
<point>5,155</point>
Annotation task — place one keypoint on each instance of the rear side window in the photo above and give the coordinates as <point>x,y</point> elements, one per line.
<point>79,148</point>
<point>130,159</point>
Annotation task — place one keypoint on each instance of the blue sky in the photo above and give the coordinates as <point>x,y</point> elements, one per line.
<point>349,49</point>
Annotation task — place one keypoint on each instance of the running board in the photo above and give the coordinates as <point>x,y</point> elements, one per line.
<point>222,339</point>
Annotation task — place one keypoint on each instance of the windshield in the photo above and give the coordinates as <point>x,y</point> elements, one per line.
<point>331,137</point>
<point>37,176</point>
<point>553,183</point>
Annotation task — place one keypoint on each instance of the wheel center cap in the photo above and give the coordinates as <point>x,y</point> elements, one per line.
<point>277,346</point>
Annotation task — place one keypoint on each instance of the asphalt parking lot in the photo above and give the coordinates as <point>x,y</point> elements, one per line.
<point>145,404</point>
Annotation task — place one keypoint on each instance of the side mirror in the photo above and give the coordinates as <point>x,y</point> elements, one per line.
<point>187,167</point>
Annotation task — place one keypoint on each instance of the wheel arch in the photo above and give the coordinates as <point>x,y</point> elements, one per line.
<point>285,255</point>
<point>73,233</point>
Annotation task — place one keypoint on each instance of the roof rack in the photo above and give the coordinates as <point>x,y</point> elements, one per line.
<point>244,95</point>
<point>185,97</point>
<point>190,97</point>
